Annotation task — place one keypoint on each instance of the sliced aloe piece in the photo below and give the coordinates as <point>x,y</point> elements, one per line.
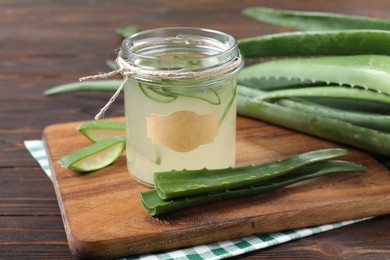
<point>98,130</point>
<point>207,94</point>
<point>95,156</point>
<point>157,94</point>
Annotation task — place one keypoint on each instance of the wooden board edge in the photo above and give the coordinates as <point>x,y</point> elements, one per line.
<point>56,186</point>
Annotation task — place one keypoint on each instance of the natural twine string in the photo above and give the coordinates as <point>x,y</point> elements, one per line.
<point>127,70</point>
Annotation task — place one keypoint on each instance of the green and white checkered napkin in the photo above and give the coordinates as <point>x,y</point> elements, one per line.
<point>217,250</point>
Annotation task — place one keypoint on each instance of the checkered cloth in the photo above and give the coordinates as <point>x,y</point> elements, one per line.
<point>217,250</point>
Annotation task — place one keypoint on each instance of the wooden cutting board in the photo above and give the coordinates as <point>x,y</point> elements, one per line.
<point>103,215</point>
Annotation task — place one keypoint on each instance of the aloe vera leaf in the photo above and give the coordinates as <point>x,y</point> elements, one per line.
<point>126,31</point>
<point>334,92</point>
<point>112,64</point>
<point>154,205</point>
<point>98,130</point>
<point>344,42</point>
<point>367,71</point>
<point>206,94</point>
<point>175,184</point>
<point>95,156</point>
<point>364,106</point>
<point>314,21</point>
<point>271,83</point>
<point>321,126</point>
<point>157,94</point>
<point>374,121</point>
<point>99,85</point>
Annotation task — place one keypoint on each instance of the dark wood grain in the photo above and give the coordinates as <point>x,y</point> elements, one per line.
<point>47,42</point>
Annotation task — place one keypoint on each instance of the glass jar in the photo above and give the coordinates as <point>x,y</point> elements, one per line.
<point>181,109</point>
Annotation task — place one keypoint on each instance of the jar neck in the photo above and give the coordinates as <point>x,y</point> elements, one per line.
<point>180,50</point>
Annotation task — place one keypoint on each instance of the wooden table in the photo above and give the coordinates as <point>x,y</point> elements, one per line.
<point>45,43</point>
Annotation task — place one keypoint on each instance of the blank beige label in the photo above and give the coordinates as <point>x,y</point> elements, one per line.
<point>182,131</point>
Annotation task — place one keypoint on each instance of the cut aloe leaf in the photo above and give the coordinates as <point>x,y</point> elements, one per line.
<point>207,94</point>
<point>95,156</point>
<point>157,94</point>
<point>98,130</point>
<point>154,205</point>
<point>175,184</point>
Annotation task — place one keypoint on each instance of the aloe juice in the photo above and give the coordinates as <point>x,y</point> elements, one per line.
<point>176,122</point>
<point>145,158</point>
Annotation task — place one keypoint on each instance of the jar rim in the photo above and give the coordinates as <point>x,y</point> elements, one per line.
<point>181,53</point>
<point>223,39</point>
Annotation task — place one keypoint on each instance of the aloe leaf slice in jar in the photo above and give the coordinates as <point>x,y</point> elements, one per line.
<point>98,130</point>
<point>157,94</point>
<point>95,156</point>
<point>206,94</point>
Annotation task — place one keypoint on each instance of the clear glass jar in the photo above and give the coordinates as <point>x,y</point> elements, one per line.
<point>182,116</point>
